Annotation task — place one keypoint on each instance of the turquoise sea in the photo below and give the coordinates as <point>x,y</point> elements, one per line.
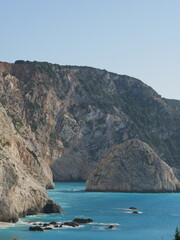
<point>160,214</point>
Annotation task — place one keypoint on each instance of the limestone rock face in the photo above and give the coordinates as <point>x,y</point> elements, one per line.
<point>68,118</point>
<point>24,177</point>
<point>71,116</point>
<point>132,166</point>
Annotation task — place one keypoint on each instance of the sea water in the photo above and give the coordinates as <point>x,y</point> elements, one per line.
<point>158,218</point>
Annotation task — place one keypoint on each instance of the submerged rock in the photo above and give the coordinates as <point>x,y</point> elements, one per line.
<point>111,227</point>
<point>82,220</point>
<point>53,223</point>
<point>132,166</point>
<point>132,208</point>
<point>46,225</point>
<point>48,228</point>
<point>70,224</point>
<point>136,212</point>
<point>57,226</point>
<point>36,229</point>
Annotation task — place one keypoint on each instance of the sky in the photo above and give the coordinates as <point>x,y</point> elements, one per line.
<point>139,38</point>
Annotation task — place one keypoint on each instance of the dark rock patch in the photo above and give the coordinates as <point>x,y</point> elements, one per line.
<point>111,227</point>
<point>135,212</point>
<point>53,223</point>
<point>46,225</point>
<point>82,220</point>
<point>51,207</point>
<point>47,228</point>
<point>36,229</point>
<point>57,226</point>
<point>132,208</point>
<point>70,224</point>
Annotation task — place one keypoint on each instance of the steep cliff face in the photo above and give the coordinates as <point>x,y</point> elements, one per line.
<point>24,177</point>
<point>72,116</point>
<point>132,167</point>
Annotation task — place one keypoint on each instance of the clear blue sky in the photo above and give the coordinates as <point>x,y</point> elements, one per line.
<point>140,38</point>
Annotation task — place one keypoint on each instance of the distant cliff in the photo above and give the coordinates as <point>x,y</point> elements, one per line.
<point>174,103</point>
<point>71,116</point>
<point>132,167</point>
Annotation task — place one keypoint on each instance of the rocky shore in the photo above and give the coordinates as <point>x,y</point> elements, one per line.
<point>23,177</point>
<point>6,224</point>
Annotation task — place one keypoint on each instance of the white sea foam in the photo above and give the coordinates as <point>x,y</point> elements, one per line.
<point>104,228</point>
<point>104,224</point>
<point>131,212</point>
<point>175,215</point>
<point>66,226</point>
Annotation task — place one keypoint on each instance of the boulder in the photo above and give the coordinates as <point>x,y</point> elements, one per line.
<point>51,207</point>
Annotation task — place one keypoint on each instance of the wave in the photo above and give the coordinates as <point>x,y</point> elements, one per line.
<point>105,224</point>
<point>65,227</point>
<point>131,212</point>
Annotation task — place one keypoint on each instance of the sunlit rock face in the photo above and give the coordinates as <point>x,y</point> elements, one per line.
<point>70,116</point>
<point>132,166</point>
<point>24,176</point>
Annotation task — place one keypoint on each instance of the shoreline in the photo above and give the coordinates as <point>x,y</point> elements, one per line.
<point>6,224</point>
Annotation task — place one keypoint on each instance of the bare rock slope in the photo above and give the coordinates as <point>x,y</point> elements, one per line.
<point>23,176</point>
<point>68,118</point>
<point>73,115</point>
<point>132,166</point>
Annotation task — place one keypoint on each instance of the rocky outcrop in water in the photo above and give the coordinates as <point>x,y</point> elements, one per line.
<point>132,166</point>
<point>72,116</point>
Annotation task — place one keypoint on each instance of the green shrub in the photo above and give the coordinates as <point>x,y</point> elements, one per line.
<point>177,234</point>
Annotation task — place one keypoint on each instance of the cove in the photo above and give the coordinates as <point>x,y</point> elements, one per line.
<point>158,218</point>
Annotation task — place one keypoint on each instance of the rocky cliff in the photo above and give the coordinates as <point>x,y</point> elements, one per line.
<point>72,116</point>
<point>24,176</point>
<point>132,167</point>
<point>175,103</point>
